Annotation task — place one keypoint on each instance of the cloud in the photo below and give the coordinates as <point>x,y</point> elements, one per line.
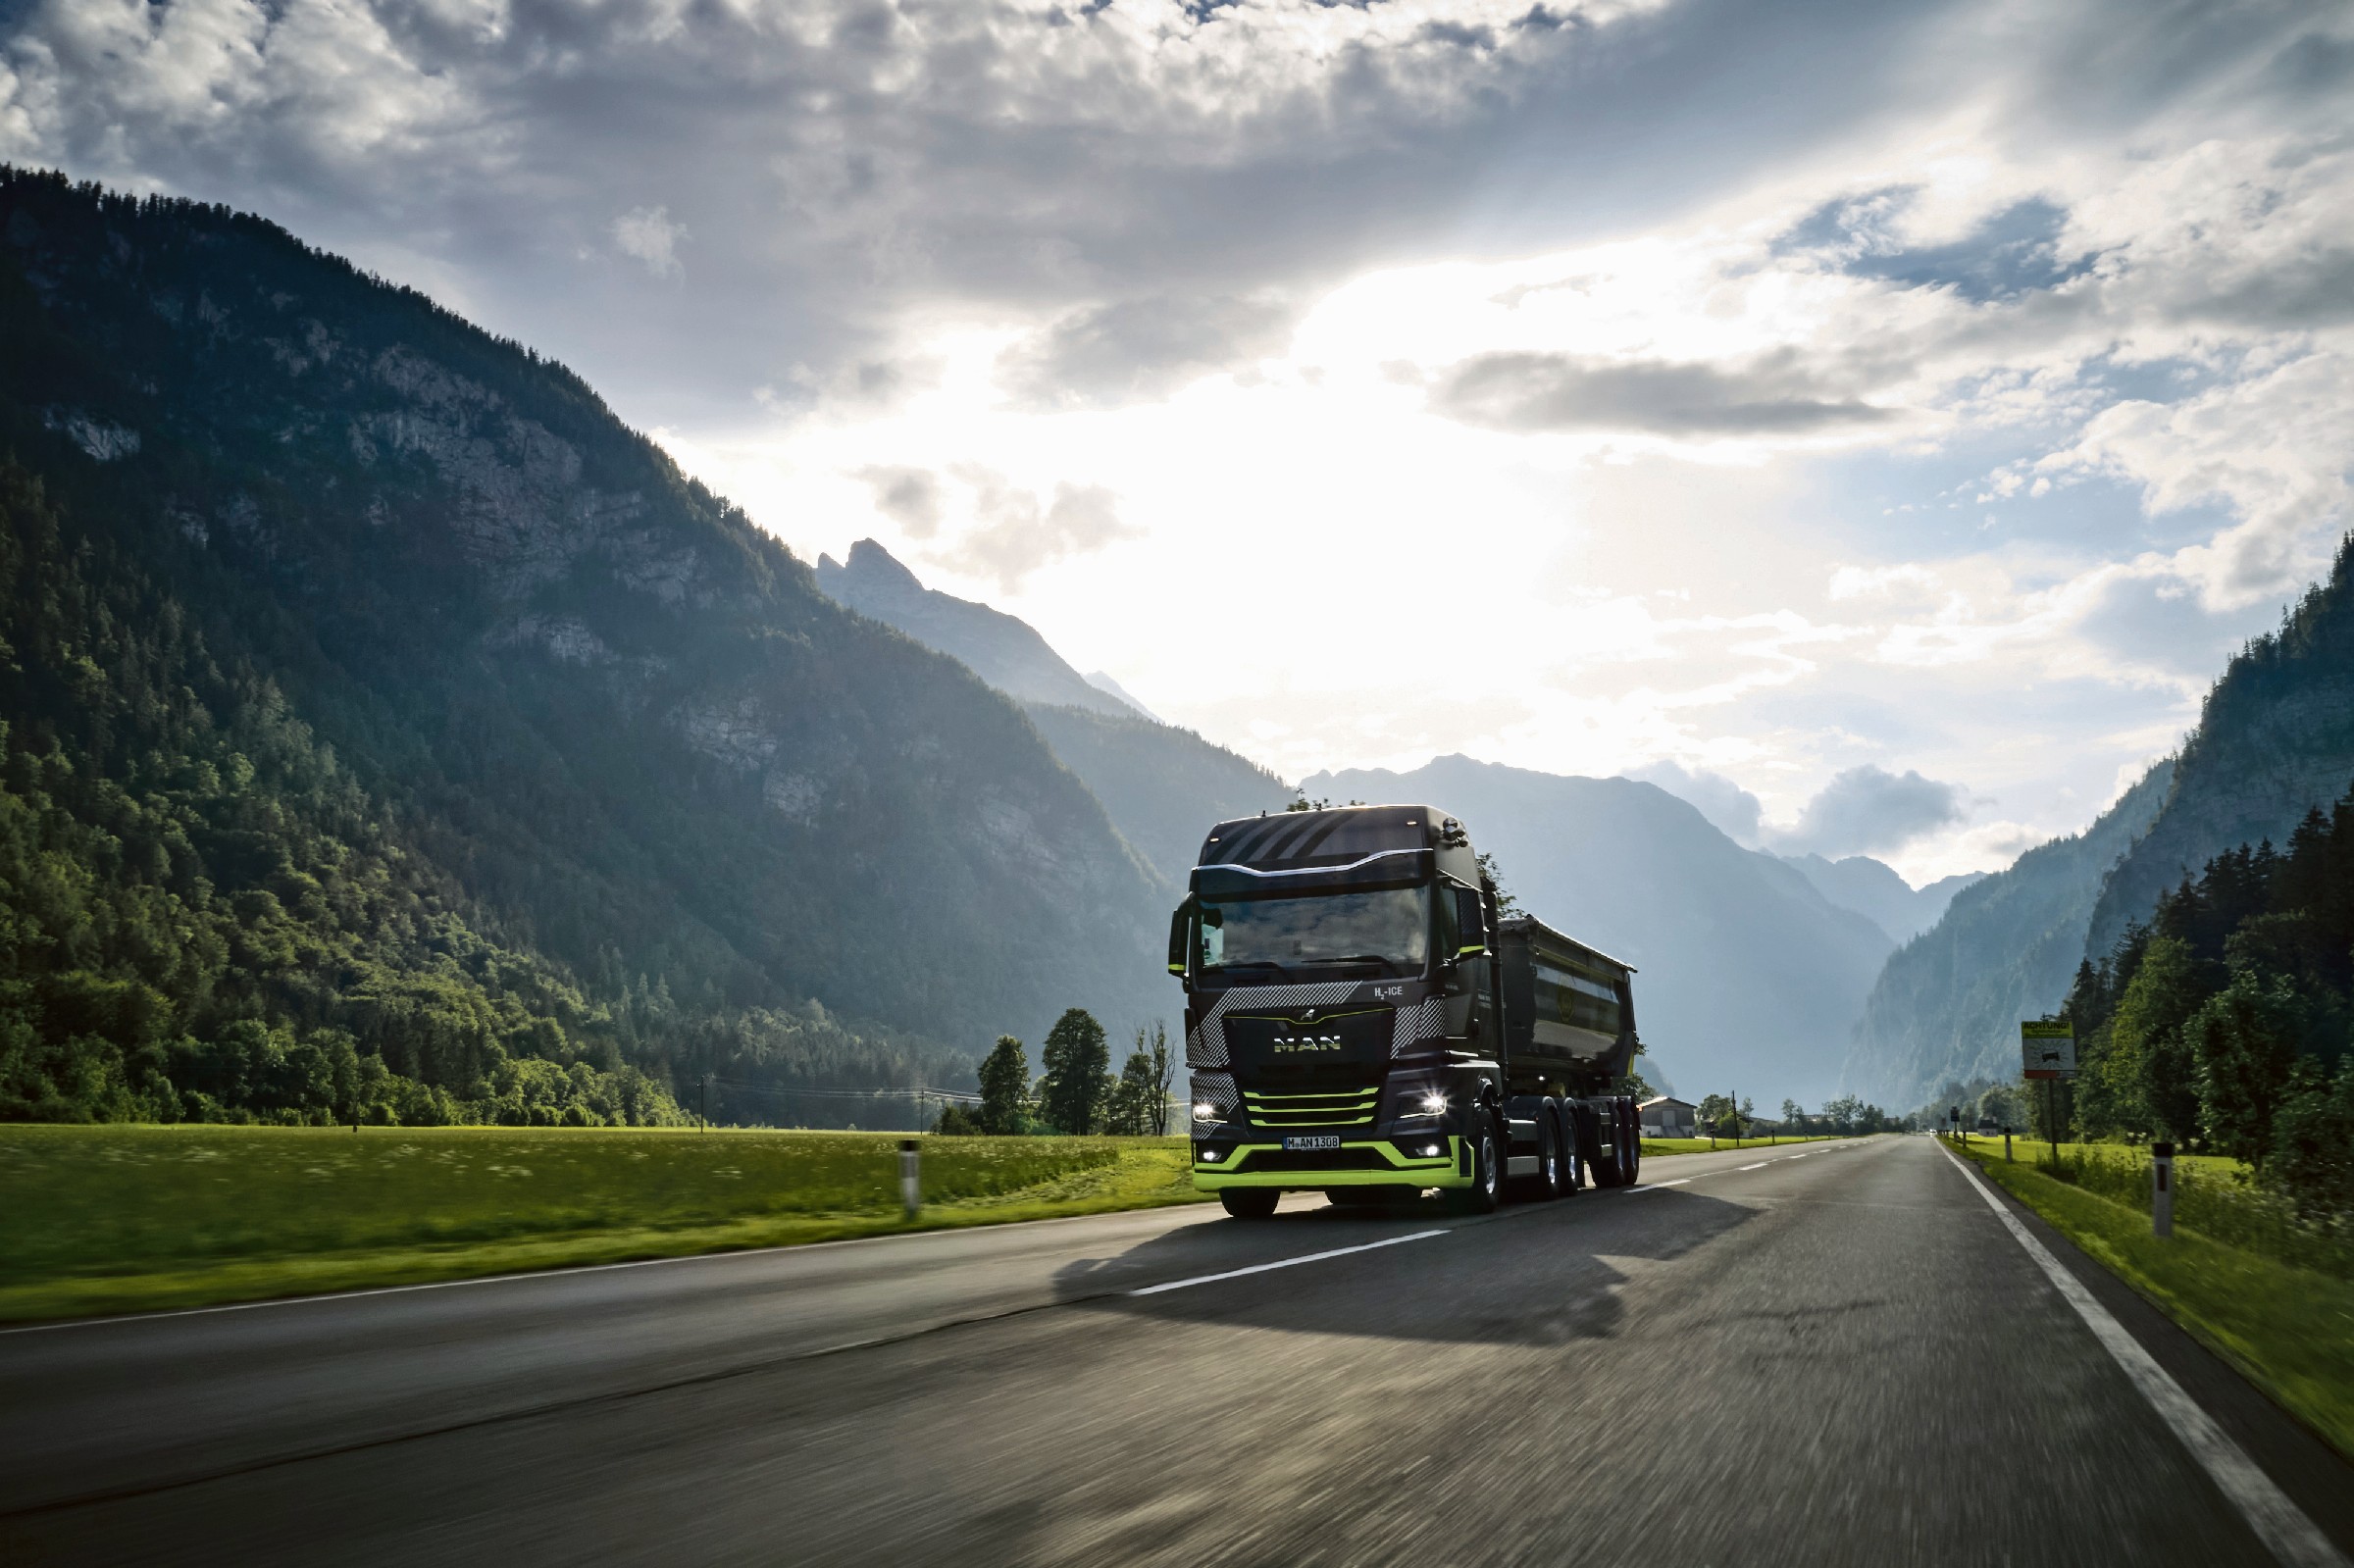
<point>1017,533</point>
<point>649,234</point>
<point>1733,809</point>
<point>1868,811</point>
<point>908,497</point>
<point>1104,356</point>
<point>1524,392</point>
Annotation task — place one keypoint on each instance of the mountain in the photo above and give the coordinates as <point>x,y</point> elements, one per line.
<point>1002,649</point>
<point>1949,1003</point>
<point>1875,891</point>
<point>1749,976</point>
<point>2274,739</point>
<point>1165,786</point>
<point>1103,682</point>
<point>377,702</point>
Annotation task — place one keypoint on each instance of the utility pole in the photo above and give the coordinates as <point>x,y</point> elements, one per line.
<point>705,1114</point>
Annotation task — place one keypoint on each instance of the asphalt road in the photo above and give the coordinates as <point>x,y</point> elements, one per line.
<point>1827,1354</point>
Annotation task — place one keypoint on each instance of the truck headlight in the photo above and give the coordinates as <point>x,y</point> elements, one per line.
<point>1204,1111</point>
<point>1434,1103</point>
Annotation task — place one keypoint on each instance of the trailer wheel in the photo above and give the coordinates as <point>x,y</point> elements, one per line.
<point>1609,1170</point>
<point>1552,1176</point>
<point>1487,1173</point>
<point>1580,1119</point>
<point>1249,1203</point>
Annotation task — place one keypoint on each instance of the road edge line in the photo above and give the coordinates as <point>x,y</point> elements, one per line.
<point>2283,1527</point>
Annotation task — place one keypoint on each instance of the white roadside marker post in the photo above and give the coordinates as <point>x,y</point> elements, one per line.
<point>911,1187</point>
<point>2162,1192</point>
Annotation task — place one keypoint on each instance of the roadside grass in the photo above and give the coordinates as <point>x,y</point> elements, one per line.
<point>1701,1145</point>
<point>2286,1328</point>
<point>125,1219</point>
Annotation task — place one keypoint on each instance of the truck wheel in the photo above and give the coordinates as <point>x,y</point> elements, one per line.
<point>1487,1174</point>
<point>1634,1144</point>
<point>1609,1170</point>
<point>1552,1171</point>
<point>1249,1203</point>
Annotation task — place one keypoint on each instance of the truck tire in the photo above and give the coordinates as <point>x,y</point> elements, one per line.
<point>1552,1163</point>
<point>1250,1202</point>
<point>1606,1127</point>
<point>1580,1118</point>
<point>1634,1143</point>
<point>1486,1190</point>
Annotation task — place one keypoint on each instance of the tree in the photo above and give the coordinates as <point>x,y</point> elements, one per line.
<point>1793,1116</point>
<point>1507,906</point>
<point>1005,1087</point>
<point>957,1121</point>
<point>2149,1068</point>
<point>1131,1112</point>
<point>1164,1075</point>
<point>1074,1093</point>
<point>2244,1041</point>
<point>1718,1112</point>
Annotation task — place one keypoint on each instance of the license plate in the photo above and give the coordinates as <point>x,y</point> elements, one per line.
<point>1313,1141</point>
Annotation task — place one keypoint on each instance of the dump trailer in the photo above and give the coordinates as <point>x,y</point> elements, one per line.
<point>1359,1021</point>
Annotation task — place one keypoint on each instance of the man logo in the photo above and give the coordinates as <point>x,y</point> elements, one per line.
<point>1290,1045</point>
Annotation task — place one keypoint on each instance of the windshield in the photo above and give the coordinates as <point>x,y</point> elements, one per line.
<point>1391,927</point>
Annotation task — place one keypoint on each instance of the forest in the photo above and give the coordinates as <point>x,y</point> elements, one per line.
<point>390,733</point>
<point>2222,1021</point>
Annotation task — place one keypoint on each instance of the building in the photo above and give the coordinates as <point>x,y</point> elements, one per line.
<point>1664,1117</point>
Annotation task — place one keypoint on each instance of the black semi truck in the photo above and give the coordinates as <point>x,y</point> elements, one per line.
<point>1359,1021</point>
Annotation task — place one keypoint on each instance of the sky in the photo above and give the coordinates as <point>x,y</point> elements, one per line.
<point>1876,424</point>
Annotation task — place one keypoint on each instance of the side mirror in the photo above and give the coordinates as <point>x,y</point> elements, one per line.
<point>1181,935</point>
<point>1471,923</point>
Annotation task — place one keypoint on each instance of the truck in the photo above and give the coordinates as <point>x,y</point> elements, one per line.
<point>1359,1022</point>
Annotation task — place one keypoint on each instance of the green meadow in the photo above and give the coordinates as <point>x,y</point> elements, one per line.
<point>118,1219</point>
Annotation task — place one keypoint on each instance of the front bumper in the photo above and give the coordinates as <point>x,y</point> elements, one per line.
<point>1256,1160</point>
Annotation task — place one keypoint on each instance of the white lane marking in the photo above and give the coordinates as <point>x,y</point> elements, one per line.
<point>1658,1186</point>
<point>1285,1263</point>
<point>2278,1522</point>
<point>1761,1165</point>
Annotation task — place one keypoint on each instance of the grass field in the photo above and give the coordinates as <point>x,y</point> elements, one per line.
<point>122,1219</point>
<point>2288,1330</point>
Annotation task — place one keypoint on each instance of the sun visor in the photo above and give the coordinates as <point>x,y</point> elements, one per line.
<point>1388,867</point>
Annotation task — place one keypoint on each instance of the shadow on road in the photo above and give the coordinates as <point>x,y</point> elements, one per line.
<point>1544,1275</point>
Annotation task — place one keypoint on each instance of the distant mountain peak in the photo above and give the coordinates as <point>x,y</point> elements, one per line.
<point>1004,650</point>
<point>874,569</point>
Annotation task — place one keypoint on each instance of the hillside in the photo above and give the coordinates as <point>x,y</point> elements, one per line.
<point>2274,739</point>
<point>1002,649</point>
<point>1873,889</point>
<point>1165,786</point>
<point>1949,1003</point>
<point>1749,975</point>
<point>494,732</point>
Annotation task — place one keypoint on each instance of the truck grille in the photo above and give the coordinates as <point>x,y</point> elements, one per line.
<point>1350,1107</point>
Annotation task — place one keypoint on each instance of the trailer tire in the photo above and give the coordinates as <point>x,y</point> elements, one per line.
<point>1486,1190</point>
<point>1606,1169</point>
<point>1580,1118</point>
<point>1250,1202</point>
<point>1553,1173</point>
